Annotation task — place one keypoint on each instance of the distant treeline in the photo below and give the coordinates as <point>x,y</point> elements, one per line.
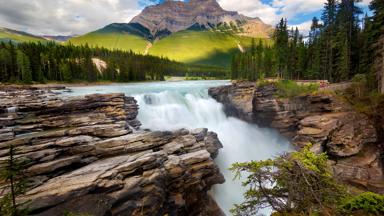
<point>36,62</point>
<point>338,47</point>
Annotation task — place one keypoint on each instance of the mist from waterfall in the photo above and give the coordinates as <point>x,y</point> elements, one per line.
<point>175,105</point>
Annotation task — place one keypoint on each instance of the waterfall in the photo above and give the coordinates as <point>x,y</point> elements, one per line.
<point>171,106</point>
<point>242,141</point>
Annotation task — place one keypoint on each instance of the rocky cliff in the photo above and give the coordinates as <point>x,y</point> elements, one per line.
<point>327,122</point>
<point>88,155</point>
<point>173,16</point>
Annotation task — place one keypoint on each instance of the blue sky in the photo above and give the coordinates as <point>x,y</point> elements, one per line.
<point>298,12</point>
<point>67,17</point>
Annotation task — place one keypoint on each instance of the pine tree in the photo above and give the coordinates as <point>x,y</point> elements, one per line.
<point>23,66</point>
<point>12,174</point>
<point>65,70</point>
<point>281,37</point>
<point>329,19</point>
<point>377,35</point>
<point>5,64</point>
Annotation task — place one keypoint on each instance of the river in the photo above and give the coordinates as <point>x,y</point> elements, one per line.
<point>186,104</point>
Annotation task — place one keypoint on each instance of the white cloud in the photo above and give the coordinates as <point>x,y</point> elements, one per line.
<point>272,12</point>
<point>303,27</point>
<point>82,16</point>
<point>65,16</point>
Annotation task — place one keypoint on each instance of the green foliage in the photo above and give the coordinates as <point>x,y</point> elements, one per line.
<point>65,69</point>
<point>23,66</point>
<point>297,183</point>
<point>368,202</point>
<point>33,62</point>
<point>253,64</point>
<point>192,47</point>
<point>112,41</point>
<point>12,176</point>
<point>337,48</point>
<point>289,88</point>
<point>314,162</point>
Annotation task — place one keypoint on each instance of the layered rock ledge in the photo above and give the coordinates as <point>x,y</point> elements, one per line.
<point>327,122</point>
<point>88,155</point>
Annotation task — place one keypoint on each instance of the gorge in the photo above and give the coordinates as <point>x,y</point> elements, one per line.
<point>175,105</point>
<point>78,155</point>
<point>102,145</point>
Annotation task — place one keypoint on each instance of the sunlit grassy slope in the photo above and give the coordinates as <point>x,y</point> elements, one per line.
<point>195,47</point>
<point>200,47</point>
<point>6,36</point>
<point>109,40</point>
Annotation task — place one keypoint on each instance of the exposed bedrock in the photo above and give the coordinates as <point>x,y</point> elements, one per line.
<point>327,122</point>
<point>88,155</point>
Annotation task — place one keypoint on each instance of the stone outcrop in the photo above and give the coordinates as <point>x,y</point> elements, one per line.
<point>324,120</point>
<point>88,155</point>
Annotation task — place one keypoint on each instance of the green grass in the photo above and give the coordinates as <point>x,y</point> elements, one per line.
<point>121,41</point>
<point>7,36</point>
<point>200,47</point>
<point>289,89</point>
<point>192,47</point>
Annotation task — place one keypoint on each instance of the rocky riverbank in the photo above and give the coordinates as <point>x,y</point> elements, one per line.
<point>351,139</point>
<point>88,155</point>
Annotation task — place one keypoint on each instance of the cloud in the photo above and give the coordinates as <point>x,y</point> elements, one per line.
<point>82,16</point>
<point>303,27</point>
<point>65,16</point>
<point>297,11</point>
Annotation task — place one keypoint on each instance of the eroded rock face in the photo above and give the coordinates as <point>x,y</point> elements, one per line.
<point>88,155</point>
<point>174,16</point>
<point>326,121</point>
<point>237,99</point>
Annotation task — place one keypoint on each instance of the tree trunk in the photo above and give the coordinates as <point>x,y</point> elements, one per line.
<point>380,66</point>
<point>381,87</point>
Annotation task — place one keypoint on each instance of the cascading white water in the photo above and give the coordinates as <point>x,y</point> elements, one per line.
<point>171,106</point>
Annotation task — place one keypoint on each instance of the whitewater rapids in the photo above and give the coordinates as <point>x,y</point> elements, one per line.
<point>176,105</point>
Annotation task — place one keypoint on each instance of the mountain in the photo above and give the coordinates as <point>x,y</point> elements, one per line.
<point>58,38</point>
<point>174,16</point>
<point>18,36</point>
<point>197,32</point>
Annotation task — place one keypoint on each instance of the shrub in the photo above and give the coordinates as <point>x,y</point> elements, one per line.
<point>368,202</point>
<point>288,88</point>
<point>299,183</point>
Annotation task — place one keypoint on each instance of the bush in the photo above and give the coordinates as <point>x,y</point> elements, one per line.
<point>299,183</point>
<point>288,88</point>
<point>368,202</point>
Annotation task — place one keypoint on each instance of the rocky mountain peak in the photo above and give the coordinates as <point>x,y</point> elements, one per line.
<point>173,16</point>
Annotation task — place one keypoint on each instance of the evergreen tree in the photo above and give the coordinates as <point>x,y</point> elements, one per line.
<point>12,174</point>
<point>377,40</point>
<point>329,19</point>
<point>23,66</point>
<point>5,64</point>
<point>65,70</point>
<point>281,37</point>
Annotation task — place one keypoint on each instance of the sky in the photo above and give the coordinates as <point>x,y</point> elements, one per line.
<point>75,17</point>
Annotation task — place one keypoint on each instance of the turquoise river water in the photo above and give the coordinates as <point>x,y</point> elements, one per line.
<point>186,104</point>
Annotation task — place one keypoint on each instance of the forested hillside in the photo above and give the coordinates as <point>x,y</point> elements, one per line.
<point>36,62</point>
<point>340,45</point>
<point>7,35</point>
